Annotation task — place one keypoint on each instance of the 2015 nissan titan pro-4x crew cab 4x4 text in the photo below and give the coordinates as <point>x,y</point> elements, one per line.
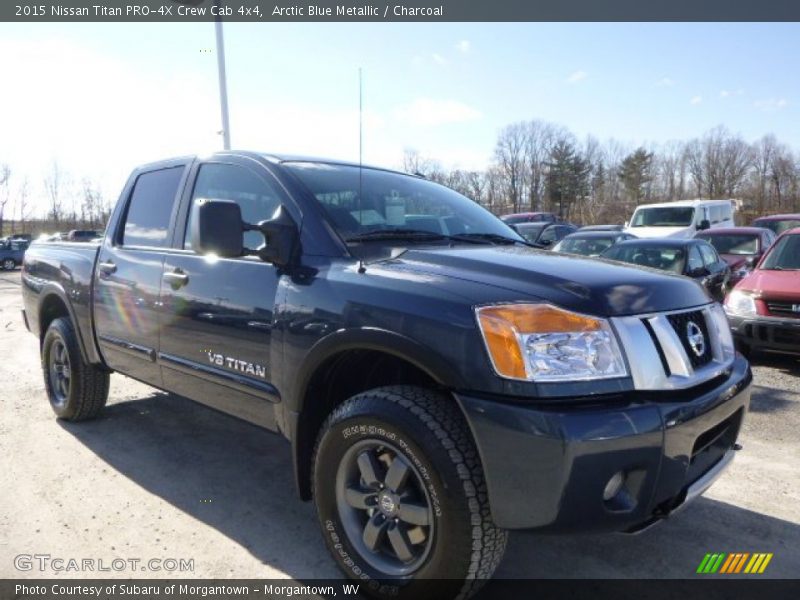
<point>440,381</point>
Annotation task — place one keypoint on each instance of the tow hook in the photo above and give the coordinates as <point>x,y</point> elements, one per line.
<point>737,447</point>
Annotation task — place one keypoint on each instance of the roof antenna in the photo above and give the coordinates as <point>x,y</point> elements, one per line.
<point>361,267</point>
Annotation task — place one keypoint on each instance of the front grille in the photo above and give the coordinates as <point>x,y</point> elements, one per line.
<point>680,322</point>
<point>784,309</point>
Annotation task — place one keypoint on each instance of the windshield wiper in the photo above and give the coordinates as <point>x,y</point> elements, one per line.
<point>417,234</point>
<point>395,234</point>
<point>491,238</point>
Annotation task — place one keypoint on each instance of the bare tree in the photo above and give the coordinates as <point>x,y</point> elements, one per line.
<point>718,163</point>
<point>23,205</point>
<point>53,184</point>
<point>5,192</point>
<point>510,157</point>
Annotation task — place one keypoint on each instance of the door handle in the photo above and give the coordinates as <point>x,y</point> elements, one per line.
<point>107,267</point>
<point>176,278</point>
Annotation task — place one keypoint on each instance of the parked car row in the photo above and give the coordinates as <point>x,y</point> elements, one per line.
<point>753,270</point>
<point>74,235</point>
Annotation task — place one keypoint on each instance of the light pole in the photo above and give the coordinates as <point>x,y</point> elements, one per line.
<point>223,82</point>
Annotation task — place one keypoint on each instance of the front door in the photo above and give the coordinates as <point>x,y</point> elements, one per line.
<point>216,344</point>
<point>128,274</point>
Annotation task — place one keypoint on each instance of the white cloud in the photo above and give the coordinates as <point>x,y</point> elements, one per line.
<point>439,59</point>
<point>463,46</point>
<point>771,104</point>
<point>696,100</point>
<point>429,112</point>
<point>577,76</point>
<point>665,82</point>
<point>729,93</point>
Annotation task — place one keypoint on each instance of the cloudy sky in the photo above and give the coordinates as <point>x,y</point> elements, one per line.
<point>100,98</point>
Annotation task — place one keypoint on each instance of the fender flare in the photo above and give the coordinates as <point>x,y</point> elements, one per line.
<point>380,340</point>
<point>367,338</point>
<point>50,290</point>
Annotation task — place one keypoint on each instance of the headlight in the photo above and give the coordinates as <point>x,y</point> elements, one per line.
<point>740,303</point>
<point>539,342</point>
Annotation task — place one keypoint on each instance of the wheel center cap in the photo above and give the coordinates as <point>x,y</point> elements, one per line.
<point>387,504</point>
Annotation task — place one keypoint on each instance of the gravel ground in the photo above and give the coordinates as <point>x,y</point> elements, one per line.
<point>159,477</point>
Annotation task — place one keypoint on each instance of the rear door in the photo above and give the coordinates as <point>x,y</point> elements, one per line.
<point>217,340</point>
<point>128,273</point>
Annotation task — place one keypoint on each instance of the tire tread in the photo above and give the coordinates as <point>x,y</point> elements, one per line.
<point>444,419</point>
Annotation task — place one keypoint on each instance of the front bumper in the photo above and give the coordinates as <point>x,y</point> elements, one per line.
<point>769,334</point>
<point>547,468</point>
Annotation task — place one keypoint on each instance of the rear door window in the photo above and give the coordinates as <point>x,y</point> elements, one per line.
<point>695,259</point>
<point>710,257</point>
<point>147,218</point>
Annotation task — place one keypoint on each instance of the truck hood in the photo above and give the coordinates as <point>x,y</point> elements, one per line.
<point>772,284</point>
<point>590,286</point>
<point>661,232</point>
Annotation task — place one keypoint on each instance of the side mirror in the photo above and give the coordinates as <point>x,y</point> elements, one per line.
<point>546,243</point>
<point>217,228</point>
<point>704,224</point>
<point>699,272</point>
<point>751,261</point>
<point>280,238</point>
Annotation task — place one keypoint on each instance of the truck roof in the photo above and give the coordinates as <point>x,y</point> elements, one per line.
<point>270,157</point>
<point>693,203</point>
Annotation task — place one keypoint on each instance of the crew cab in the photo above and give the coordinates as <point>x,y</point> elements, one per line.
<point>437,387</point>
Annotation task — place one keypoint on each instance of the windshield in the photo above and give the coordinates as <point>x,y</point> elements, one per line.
<point>665,216</point>
<point>593,246</point>
<point>777,225</point>
<point>359,201</point>
<point>742,244</point>
<point>531,232</point>
<point>664,258</point>
<point>785,254</point>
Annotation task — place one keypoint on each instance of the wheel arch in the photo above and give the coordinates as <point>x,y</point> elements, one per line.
<point>349,362</point>
<point>54,305</point>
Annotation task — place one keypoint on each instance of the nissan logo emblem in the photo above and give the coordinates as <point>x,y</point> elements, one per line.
<point>696,339</point>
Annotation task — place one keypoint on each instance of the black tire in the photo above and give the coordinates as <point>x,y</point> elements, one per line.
<point>460,547</point>
<point>9,264</point>
<point>77,390</point>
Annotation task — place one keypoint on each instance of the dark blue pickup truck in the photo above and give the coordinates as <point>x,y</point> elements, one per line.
<point>440,381</point>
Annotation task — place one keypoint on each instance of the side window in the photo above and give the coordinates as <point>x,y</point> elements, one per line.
<point>709,255</point>
<point>258,199</point>
<point>695,260</point>
<point>150,208</point>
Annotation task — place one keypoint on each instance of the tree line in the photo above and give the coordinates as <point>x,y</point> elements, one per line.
<point>536,166</point>
<point>541,166</point>
<point>64,203</point>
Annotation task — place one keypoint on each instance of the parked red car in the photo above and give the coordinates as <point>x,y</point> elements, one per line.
<point>740,247</point>
<point>764,308</point>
